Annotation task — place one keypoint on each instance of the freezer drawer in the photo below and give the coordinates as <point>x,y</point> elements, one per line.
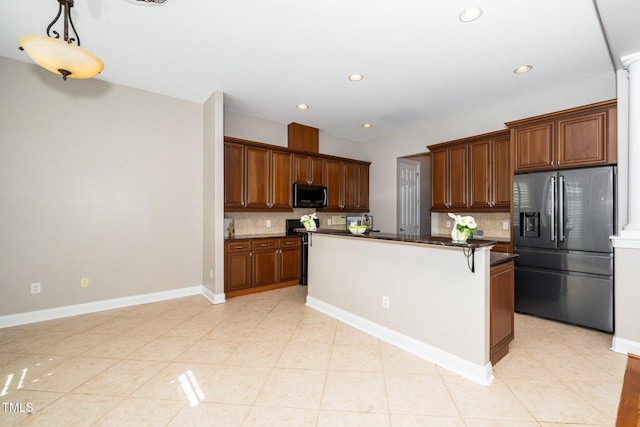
<point>570,261</point>
<point>580,299</point>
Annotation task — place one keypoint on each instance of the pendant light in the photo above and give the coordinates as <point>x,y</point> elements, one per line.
<point>62,56</point>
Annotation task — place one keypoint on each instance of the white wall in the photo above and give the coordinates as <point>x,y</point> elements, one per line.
<point>384,151</point>
<point>96,180</point>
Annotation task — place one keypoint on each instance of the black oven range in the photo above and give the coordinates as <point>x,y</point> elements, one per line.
<point>292,225</point>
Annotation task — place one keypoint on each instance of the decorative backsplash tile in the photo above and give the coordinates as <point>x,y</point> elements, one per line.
<point>491,223</point>
<point>256,222</point>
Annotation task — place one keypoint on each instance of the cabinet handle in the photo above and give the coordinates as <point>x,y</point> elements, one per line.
<point>264,244</point>
<point>250,253</point>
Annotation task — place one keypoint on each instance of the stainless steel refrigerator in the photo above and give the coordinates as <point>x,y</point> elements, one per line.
<point>562,222</point>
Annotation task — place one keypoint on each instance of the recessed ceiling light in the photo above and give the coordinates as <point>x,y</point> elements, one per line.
<point>471,14</point>
<point>367,125</point>
<point>302,107</point>
<point>356,77</point>
<point>523,69</point>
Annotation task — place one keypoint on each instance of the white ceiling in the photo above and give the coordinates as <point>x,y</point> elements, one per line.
<point>418,60</point>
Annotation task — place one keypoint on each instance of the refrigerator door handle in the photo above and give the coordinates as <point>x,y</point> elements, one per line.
<point>561,209</point>
<point>553,208</point>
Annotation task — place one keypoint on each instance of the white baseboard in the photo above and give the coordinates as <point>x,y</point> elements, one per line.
<point>482,375</point>
<point>624,346</point>
<point>92,307</point>
<point>212,297</point>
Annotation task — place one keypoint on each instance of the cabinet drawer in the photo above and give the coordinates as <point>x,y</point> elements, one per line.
<point>239,246</point>
<point>290,243</point>
<point>262,244</point>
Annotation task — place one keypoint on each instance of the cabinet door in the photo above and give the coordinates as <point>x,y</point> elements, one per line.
<point>290,259</point>
<point>534,148</point>
<point>258,178</point>
<point>238,266</point>
<point>280,180</point>
<point>501,171</point>
<point>351,185</point>
<point>439,194</point>
<point>581,140</point>
<point>480,182</point>
<point>265,261</point>
<point>457,172</point>
<point>234,173</point>
<point>308,170</point>
<point>501,309</point>
<point>333,176</point>
<point>301,169</point>
<point>363,187</point>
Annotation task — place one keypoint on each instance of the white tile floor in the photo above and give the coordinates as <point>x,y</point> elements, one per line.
<point>267,359</point>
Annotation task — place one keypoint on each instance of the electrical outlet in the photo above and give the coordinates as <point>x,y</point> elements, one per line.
<point>385,302</point>
<point>211,273</point>
<point>35,288</point>
<point>328,222</point>
<point>268,223</point>
<point>84,282</point>
<point>505,225</point>
<point>448,224</point>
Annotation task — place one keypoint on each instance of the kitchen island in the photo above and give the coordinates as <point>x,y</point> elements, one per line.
<point>424,294</point>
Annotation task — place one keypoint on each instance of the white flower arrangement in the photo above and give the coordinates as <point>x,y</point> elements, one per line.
<point>309,221</point>
<point>462,227</point>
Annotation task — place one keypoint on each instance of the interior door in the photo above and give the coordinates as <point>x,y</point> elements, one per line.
<point>408,196</point>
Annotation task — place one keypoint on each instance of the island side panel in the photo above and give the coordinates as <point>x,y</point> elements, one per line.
<point>433,296</point>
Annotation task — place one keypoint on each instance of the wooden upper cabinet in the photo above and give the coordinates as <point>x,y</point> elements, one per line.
<point>234,175</point>
<point>334,180</point>
<point>347,186</point>
<point>351,186</point>
<point>472,174</point>
<point>581,140</point>
<point>439,185</point>
<point>583,136</point>
<point>458,171</point>
<point>480,174</point>
<point>363,191</point>
<point>280,180</point>
<point>502,176</point>
<point>533,147</point>
<point>266,178</point>
<point>449,169</point>
<point>308,170</point>
<point>258,177</point>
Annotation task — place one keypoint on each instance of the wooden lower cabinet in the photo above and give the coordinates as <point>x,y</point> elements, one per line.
<point>256,265</point>
<point>501,307</point>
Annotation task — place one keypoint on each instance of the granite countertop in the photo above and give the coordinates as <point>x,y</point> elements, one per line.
<point>258,236</point>
<point>425,239</point>
<point>500,257</point>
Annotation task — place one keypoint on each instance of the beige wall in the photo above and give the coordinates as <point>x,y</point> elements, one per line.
<point>99,181</point>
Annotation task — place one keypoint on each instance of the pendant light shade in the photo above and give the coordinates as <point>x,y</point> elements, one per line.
<point>62,56</point>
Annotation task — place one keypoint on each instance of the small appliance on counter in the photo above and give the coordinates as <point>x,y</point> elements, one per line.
<point>358,219</point>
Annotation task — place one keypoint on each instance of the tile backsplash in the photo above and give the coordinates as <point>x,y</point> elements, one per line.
<point>256,222</point>
<point>491,223</point>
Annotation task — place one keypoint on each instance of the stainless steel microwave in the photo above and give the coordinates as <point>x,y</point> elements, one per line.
<point>309,196</point>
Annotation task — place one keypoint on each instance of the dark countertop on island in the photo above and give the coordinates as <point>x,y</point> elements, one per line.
<point>426,239</point>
